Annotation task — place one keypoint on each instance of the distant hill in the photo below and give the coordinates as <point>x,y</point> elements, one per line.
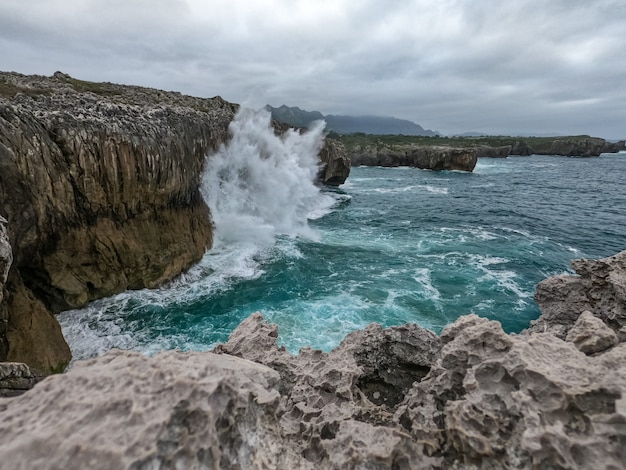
<point>349,124</point>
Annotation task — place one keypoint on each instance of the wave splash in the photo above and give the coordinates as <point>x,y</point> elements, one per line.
<point>261,185</point>
<point>261,192</point>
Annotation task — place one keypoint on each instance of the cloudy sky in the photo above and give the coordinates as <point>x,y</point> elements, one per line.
<point>527,66</point>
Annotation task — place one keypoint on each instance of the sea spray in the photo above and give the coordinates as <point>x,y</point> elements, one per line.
<point>260,184</point>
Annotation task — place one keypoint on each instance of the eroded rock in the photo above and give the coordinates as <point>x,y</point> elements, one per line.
<point>123,411</point>
<point>599,287</point>
<point>336,407</point>
<point>495,401</point>
<point>6,259</point>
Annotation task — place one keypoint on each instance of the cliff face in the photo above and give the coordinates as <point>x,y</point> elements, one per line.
<point>401,397</point>
<point>424,157</point>
<point>100,187</point>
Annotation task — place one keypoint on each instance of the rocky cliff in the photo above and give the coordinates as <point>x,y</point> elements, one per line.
<point>335,163</point>
<point>472,398</point>
<point>99,184</point>
<point>423,157</point>
<point>567,147</point>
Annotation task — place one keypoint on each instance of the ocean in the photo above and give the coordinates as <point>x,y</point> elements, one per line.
<point>391,245</point>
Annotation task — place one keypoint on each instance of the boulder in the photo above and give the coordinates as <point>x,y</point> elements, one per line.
<point>590,334</point>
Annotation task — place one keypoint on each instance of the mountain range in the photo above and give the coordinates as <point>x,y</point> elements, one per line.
<point>341,124</point>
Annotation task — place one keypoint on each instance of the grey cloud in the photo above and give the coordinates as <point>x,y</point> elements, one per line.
<point>451,65</point>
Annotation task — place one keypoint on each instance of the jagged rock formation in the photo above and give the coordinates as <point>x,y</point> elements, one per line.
<point>100,186</point>
<point>473,398</point>
<point>599,287</point>
<point>423,157</point>
<point>335,163</point>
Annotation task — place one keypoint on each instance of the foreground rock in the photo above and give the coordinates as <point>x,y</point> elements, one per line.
<point>127,411</point>
<point>473,398</point>
<point>423,157</point>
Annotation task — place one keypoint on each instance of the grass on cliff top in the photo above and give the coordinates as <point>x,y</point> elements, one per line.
<point>103,89</point>
<point>8,90</point>
<point>369,140</point>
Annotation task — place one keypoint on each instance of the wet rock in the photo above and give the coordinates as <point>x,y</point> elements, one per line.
<point>486,151</point>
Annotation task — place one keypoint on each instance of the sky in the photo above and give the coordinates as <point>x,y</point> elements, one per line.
<point>492,66</point>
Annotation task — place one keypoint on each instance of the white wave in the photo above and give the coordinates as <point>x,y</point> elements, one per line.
<point>261,185</point>
<point>411,188</point>
<point>423,278</point>
<point>504,278</point>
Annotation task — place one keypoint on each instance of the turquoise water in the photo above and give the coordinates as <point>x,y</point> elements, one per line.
<point>390,246</point>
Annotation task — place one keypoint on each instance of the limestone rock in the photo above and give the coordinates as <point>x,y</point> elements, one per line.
<point>493,401</point>
<point>590,334</point>
<point>16,378</point>
<point>123,411</point>
<point>589,147</point>
<point>599,287</point>
<point>336,407</point>
<point>335,167</point>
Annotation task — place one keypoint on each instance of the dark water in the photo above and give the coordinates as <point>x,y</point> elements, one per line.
<point>393,246</point>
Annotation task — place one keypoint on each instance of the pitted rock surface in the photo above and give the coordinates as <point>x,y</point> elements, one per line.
<point>599,287</point>
<point>126,411</point>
